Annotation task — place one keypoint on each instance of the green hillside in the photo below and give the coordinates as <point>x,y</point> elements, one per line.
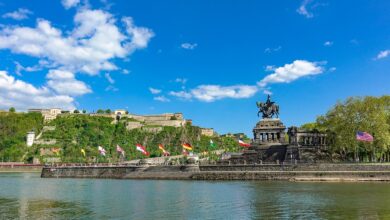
<point>13,129</point>
<point>77,131</point>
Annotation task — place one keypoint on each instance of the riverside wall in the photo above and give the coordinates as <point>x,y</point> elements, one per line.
<point>19,168</point>
<point>120,172</point>
<point>306,172</point>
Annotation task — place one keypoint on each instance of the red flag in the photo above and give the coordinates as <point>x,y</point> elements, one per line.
<point>243,144</point>
<point>142,149</point>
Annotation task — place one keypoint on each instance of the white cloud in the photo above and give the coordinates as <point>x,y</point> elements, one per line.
<point>181,80</point>
<point>140,36</point>
<point>181,94</point>
<point>64,82</point>
<point>125,71</point>
<point>154,91</point>
<point>354,42</point>
<point>272,50</point>
<point>284,74</point>
<point>189,46</point>
<point>383,54</point>
<point>20,14</point>
<point>109,78</point>
<point>332,69</point>
<point>267,92</point>
<point>19,68</point>
<point>161,99</point>
<point>270,68</point>
<point>22,95</point>
<point>291,72</point>
<point>70,3</point>
<point>111,88</point>
<point>89,47</point>
<point>211,93</point>
<point>302,10</point>
<point>328,43</point>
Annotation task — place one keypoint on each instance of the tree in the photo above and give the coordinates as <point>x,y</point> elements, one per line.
<point>12,109</point>
<point>108,111</point>
<point>84,111</point>
<point>100,111</point>
<point>345,119</point>
<point>76,111</point>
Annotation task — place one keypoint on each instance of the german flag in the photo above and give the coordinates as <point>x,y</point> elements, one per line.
<point>187,146</point>
<point>56,151</point>
<point>165,152</point>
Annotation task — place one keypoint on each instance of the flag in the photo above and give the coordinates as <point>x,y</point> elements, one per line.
<point>364,136</point>
<point>56,151</point>
<point>120,150</point>
<point>102,151</point>
<point>243,144</point>
<point>165,152</point>
<point>187,146</point>
<point>142,149</point>
<point>212,143</point>
<point>82,152</point>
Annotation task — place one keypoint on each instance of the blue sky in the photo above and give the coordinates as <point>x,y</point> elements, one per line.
<point>211,60</point>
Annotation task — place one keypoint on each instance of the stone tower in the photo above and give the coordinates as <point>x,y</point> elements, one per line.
<point>30,138</point>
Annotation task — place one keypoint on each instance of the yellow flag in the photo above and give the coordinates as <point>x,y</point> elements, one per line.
<point>83,152</point>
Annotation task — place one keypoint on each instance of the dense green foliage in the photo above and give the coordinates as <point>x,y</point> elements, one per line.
<point>13,129</point>
<point>368,114</point>
<point>76,132</point>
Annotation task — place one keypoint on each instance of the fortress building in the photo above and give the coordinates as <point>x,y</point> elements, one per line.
<point>48,114</point>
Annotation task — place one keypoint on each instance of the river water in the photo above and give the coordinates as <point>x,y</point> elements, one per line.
<point>27,196</point>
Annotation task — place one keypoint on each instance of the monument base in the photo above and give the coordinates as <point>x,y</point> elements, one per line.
<point>269,132</point>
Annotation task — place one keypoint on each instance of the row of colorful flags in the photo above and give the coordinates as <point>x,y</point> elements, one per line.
<point>142,149</point>
<point>360,136</point>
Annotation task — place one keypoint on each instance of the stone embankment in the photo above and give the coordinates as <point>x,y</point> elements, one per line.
<point>121,172</point>
<point>301,172</point>
<point>15,167</point>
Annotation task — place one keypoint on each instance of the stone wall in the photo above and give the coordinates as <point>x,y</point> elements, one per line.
<point>295,176</point>
<point>133,125</point>
<point>172,123</point>
<point>48,128</point>
<point>152,129</point>
<point>121,172</point>
<point>298,167</point>
<point>209,132</point>
<point>45,142</point>
<point>307,172</point>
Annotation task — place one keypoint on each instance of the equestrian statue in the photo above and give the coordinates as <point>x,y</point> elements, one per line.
<point>268,109</point>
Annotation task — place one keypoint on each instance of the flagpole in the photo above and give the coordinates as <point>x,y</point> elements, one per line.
<point>373,146</point>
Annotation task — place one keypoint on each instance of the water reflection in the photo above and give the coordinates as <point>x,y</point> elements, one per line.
<point>27,196</point>
<point>41,209</point>
<point>322,200</point>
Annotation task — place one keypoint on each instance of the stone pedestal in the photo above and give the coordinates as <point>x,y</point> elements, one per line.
<point>269,131</point>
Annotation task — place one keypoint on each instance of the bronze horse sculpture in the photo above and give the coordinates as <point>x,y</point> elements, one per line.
<point>268,109</point>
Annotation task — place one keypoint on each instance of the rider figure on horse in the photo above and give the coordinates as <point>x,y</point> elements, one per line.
<point>268,109</point>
